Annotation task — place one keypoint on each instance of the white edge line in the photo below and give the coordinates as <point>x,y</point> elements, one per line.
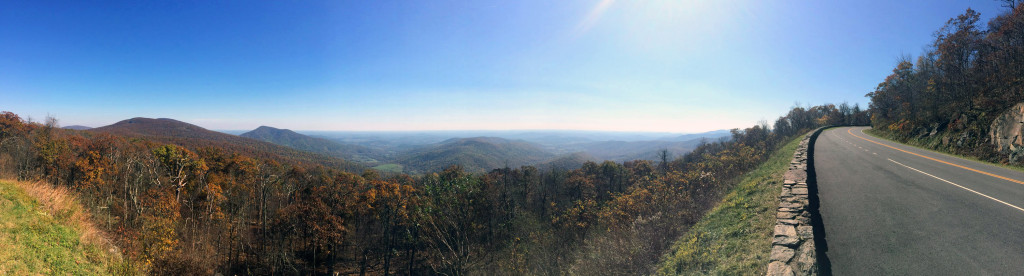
<point>961,187</point>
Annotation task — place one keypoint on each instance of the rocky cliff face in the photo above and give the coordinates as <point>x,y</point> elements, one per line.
<point>1005,132</point>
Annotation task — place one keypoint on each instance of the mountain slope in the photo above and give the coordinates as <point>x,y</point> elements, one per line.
<point>625,149</point>
<point>735,237</point>
<point>302,142</point>
<point>645,150</point>
<point>473,154</point>
<point>170,131</point>
<point>570,161</point>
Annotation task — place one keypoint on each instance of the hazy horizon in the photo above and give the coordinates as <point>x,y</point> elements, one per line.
<point>61,123</point>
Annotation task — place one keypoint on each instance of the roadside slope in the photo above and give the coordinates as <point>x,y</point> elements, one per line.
<point>45,231</point>
<point>734,238</point>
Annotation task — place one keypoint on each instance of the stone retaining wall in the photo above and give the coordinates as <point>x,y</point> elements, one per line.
<point>793,250</point>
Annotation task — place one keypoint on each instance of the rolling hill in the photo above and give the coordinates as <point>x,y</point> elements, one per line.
<point>302,142</point>
<point>476,154</point>
<point>570,161</point>
<point>170,131</point>
<point>422,152</point>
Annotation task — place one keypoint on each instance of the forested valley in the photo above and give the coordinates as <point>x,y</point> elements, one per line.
<point>949,97</point>
<point>202,208</point>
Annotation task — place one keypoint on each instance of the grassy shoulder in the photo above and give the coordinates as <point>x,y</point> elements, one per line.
<point>930,145</point>
<point>734,238</point>
<point>43,230</point>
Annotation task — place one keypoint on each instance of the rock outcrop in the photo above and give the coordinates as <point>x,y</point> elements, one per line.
<point>793,249</point>
<point>1005,132</point>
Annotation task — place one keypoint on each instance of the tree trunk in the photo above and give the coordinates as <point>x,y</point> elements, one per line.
<point>362,263</point>
<point>412,250</point>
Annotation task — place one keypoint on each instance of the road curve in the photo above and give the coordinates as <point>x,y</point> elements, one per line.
<point>892,209</point>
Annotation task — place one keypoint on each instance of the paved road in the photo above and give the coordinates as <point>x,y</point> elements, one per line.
<point>892,209</point>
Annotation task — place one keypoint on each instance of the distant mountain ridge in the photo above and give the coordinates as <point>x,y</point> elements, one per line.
<point>170,131</point>
<point>647,150</point>
<point>299,141</point>
<point>476,154</point>
<point>422,152</point>
<point>77,127</point>
<point>710,135</point>
<point>409,153</point>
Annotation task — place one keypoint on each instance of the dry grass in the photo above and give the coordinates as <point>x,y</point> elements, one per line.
<point>45,230</point>
<point>62,203</point>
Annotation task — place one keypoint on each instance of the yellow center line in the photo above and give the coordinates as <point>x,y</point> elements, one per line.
<point>940,161</point>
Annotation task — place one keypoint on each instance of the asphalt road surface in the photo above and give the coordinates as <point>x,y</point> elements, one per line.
<point>892,209</point>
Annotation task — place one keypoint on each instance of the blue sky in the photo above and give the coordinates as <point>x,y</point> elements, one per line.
<point>667,66</point>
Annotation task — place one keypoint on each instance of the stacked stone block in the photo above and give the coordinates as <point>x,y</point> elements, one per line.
<point>793,250</point>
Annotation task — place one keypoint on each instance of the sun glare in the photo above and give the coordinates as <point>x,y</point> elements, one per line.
<point>593,17</point>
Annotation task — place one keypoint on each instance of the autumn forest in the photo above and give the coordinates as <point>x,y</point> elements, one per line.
<point>192,208</point>
<point>948,97</point>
